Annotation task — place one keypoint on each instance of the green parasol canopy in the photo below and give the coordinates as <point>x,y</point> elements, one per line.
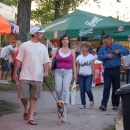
<point>122,36</point>
<point>83,24</point>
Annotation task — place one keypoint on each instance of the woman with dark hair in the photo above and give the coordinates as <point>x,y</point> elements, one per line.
<point>65,67</point>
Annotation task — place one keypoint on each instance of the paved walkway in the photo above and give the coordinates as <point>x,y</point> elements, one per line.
<point>77,119</point>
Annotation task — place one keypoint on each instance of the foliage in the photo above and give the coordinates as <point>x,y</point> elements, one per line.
<point>45,10</point>
<point>10,2</point>
<point>112,127</point>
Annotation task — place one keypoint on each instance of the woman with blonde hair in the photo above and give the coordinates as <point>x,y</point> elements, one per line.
<point>86,74</point>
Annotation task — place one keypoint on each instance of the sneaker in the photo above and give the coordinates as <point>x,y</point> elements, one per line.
<point>5,82</point>
<point>82,106</point>
<point>91,103</point>
<point>1,81</point>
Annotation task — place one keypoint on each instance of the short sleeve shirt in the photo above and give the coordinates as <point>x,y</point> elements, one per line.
<point>85,64</point>
<point>33,56</point>
<point>6,51</point>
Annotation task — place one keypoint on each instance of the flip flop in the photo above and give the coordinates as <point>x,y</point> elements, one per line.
<point>26,116</point>
<point>32,122</point>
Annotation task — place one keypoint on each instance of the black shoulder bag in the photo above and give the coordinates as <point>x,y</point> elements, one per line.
<point>54,62</point>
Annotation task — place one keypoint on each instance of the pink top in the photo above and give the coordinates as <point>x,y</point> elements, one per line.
<point>63,63</point>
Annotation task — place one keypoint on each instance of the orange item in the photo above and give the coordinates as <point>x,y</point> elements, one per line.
<point>5,27</point>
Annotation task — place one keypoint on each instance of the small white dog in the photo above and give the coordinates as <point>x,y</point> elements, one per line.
<point>61,112</point>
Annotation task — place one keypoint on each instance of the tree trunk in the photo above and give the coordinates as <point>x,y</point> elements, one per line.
<point>23,18</point>
<point>57,7</point>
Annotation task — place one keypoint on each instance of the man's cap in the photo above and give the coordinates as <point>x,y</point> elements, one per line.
<point>36,30</point>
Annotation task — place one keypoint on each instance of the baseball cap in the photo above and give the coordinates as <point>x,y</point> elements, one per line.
<point>36,29</point>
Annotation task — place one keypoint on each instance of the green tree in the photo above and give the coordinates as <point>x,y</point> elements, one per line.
<point>10,2</point>
<point>50,10</point>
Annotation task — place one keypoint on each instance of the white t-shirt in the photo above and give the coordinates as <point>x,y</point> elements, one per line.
<point>5,51</point>
<point>85,64</point>
<point>33,56</point>
<point>127,61</point>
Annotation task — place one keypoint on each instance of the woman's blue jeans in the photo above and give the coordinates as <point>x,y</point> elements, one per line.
<point>85,83</point>
<point>63,79</point>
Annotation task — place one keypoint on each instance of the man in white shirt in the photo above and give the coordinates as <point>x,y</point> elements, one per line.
<point>4,61</point>
<point>35,60</point>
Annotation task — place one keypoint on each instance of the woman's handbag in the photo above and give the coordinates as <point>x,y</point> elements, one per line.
<point>54,62</point>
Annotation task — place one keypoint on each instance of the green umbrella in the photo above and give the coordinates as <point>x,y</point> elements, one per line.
<point>122,36</point>
<point>83,24</point>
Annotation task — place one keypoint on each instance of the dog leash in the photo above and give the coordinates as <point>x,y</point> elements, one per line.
<point>49,88</point>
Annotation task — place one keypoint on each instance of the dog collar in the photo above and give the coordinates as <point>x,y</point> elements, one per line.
<point>61,112</point>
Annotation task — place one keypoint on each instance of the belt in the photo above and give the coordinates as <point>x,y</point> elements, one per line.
<point>113,68</point>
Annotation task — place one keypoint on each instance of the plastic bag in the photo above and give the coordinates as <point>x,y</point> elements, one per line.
<point>73,94</point>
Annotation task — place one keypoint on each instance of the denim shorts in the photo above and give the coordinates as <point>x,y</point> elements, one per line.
<point>5,66</point>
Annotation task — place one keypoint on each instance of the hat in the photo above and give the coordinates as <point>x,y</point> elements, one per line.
<point>35,30</point>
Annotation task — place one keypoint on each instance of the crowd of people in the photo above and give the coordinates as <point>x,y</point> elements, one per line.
<point>30,62</point>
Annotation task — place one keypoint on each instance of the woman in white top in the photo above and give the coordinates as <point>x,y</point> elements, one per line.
<point>86,74</point>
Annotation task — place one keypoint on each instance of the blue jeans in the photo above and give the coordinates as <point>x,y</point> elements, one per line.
<point>63,79</point>
<point>85,83</point>
<point>111,77</point>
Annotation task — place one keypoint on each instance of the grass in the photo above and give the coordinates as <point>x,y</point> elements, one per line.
<point>112,127</point>
<point>13,86</point>
<point>5,107</point>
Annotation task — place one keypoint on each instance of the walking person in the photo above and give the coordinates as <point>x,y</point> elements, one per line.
<point>18,43</point>
<point>6,51</point>
<point>77,49</point>
<point>110,54</point>
<point>126,66</point>
<point>86,74</point>
<point>65,68</point>
<point>35,60</point>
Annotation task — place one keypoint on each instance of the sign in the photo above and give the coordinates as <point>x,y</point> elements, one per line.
<point>58,23</point>
<point>129,38</point>
<point>56,34</point>
<point>83,32</point>
<point>93,22</point>
<point>121,28</point>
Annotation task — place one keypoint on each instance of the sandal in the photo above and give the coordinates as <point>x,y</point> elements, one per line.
<point>26,116</point>
<point>32,122</point>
